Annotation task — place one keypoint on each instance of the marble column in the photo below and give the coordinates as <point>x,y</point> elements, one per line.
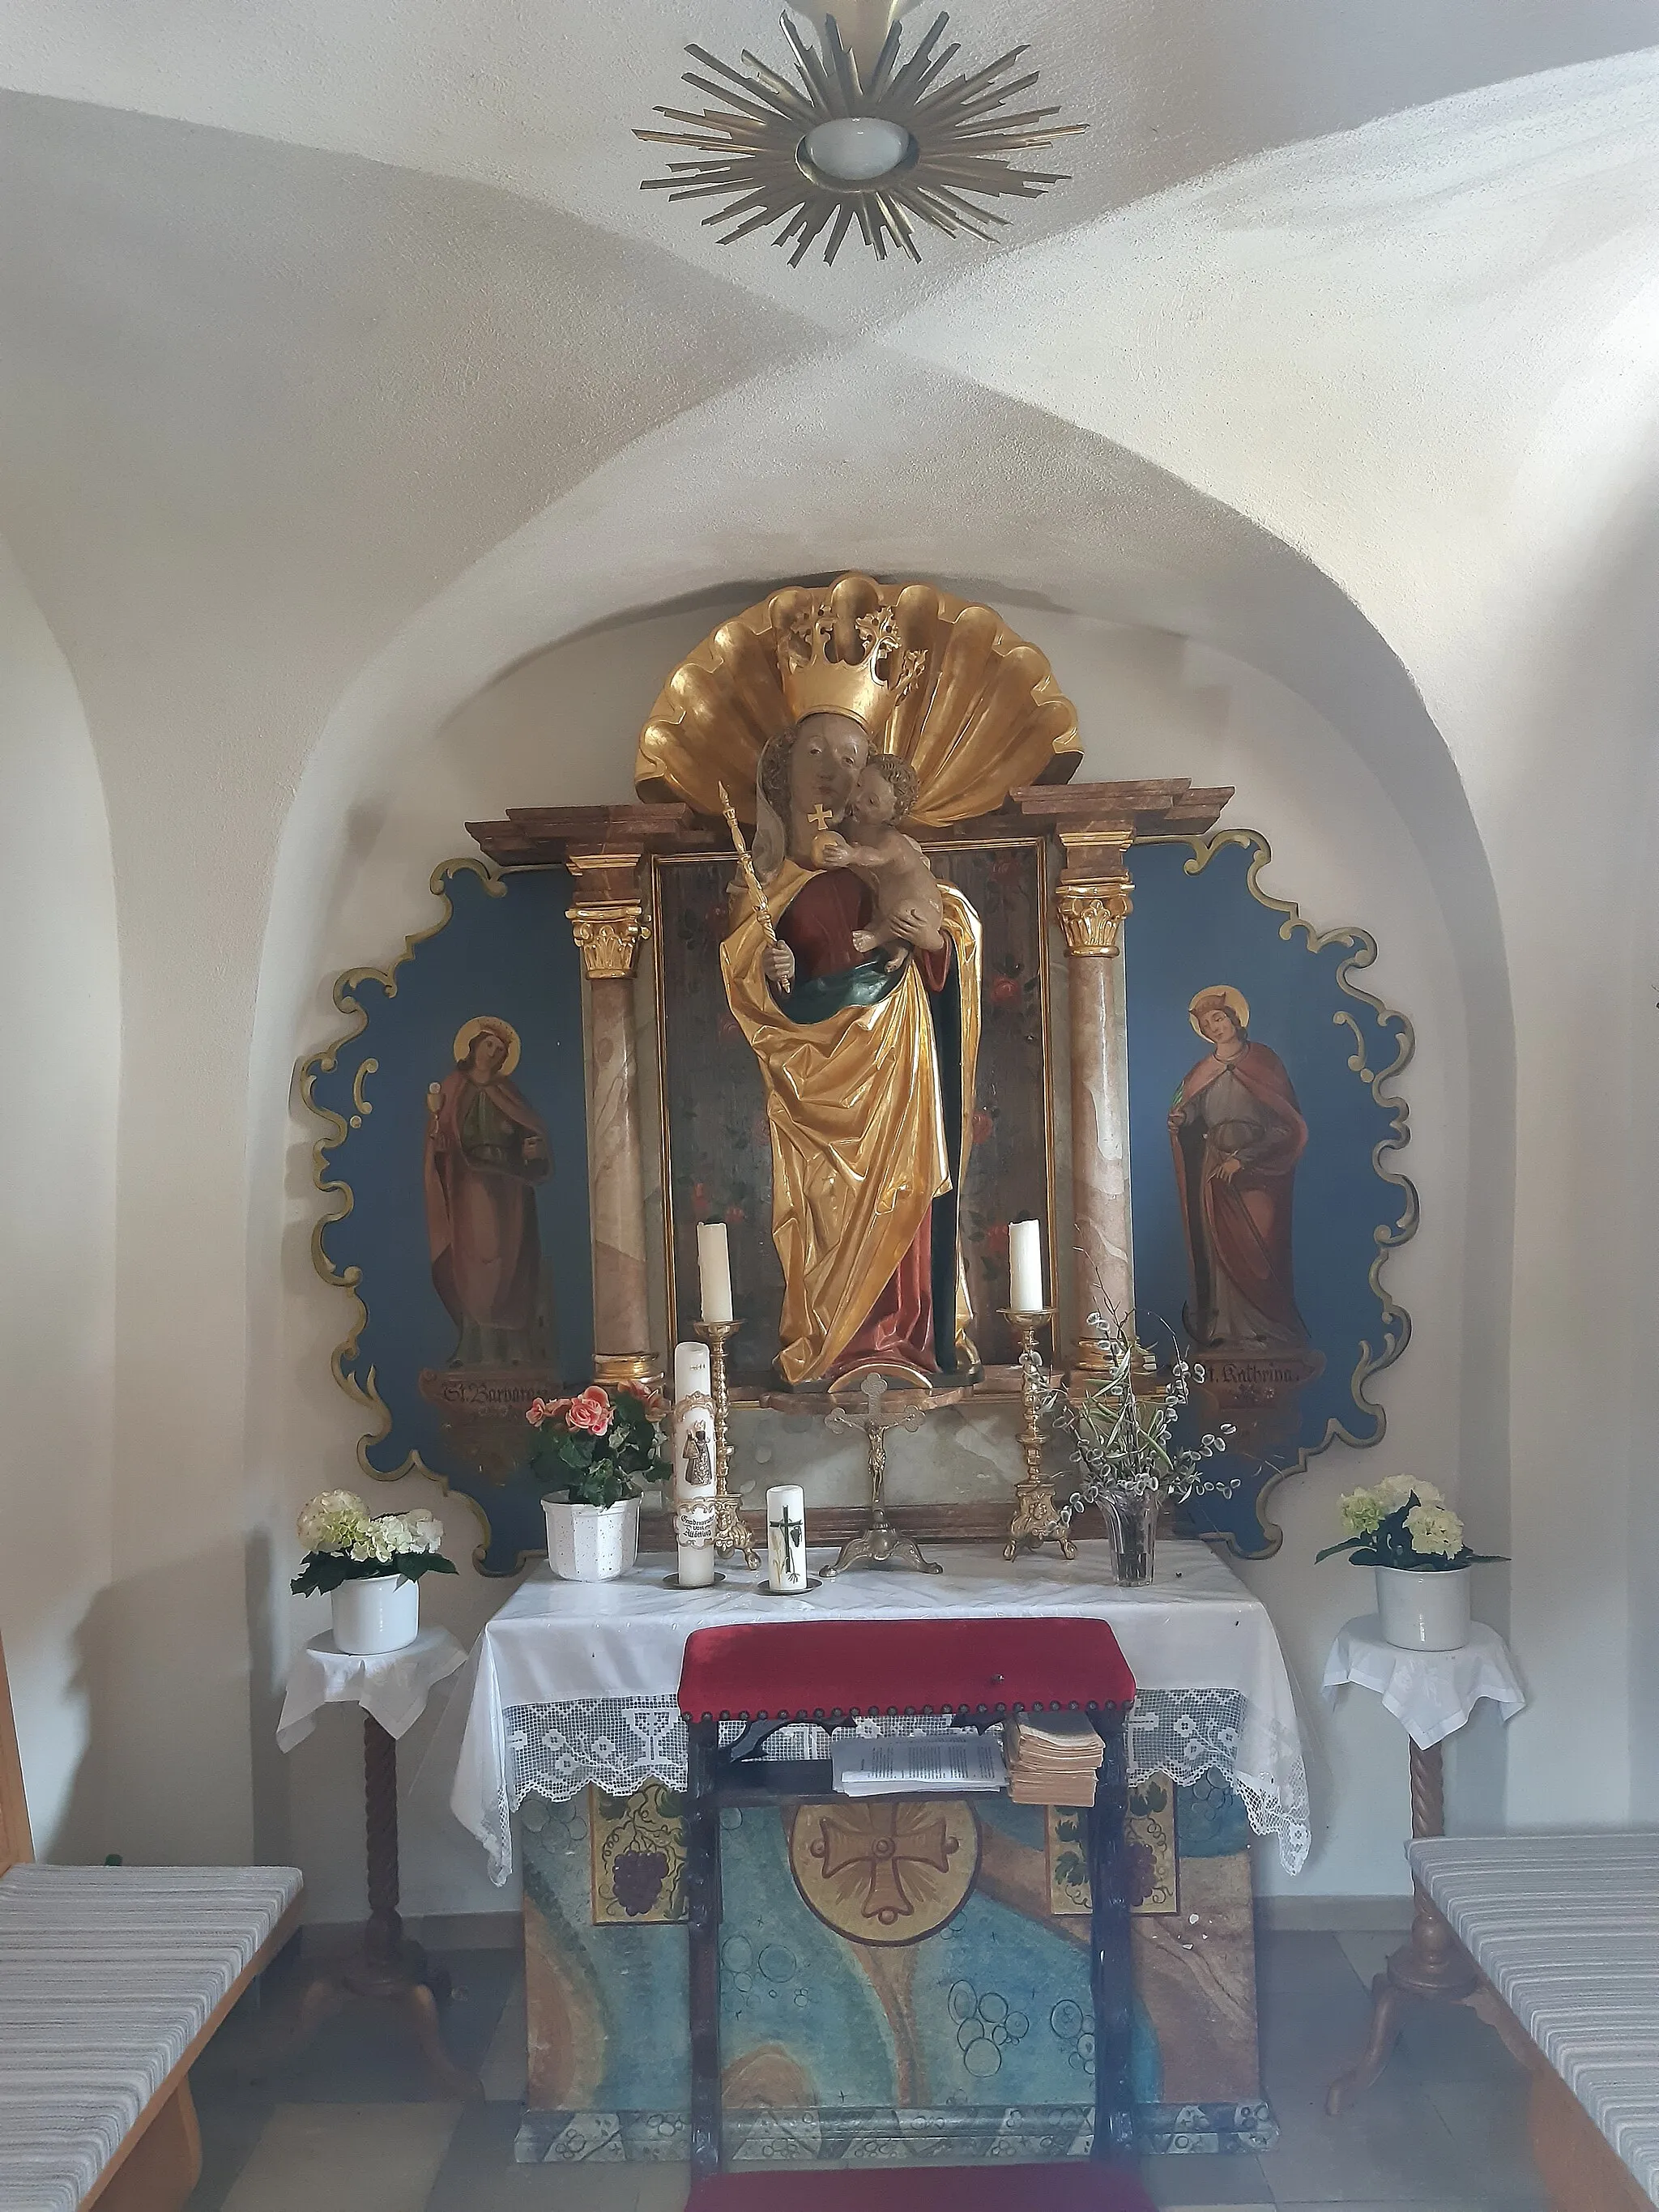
<point>608,930</point>
<point>1091,901</point>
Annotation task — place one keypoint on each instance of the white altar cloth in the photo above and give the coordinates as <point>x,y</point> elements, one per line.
<point>575,1682</point>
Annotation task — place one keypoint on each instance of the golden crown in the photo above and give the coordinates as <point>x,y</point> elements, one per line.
<point>868,689</point>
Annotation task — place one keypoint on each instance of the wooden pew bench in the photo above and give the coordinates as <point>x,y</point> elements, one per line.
<point>1565,1931</point>
<point>112,1981</point>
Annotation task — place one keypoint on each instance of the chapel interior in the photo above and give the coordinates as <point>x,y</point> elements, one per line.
<point>830,841</point>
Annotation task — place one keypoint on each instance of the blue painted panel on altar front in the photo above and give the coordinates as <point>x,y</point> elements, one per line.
<point>959,2025</point>
<point>464,1227</point>
<point>1263,1143</point>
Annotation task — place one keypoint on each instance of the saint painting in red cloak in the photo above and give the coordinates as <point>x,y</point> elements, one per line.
<point>1238,1134</point>
<point>486,1150</point>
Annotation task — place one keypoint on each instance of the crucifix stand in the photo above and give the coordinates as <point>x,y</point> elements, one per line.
<point>880,1544</point>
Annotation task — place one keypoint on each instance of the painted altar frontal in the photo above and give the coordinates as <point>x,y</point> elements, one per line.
<point>902,1980</point>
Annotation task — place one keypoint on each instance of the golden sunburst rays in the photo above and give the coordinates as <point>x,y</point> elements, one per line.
<point>958,143</point>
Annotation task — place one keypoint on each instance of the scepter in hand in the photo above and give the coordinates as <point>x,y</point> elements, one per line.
<point>748,866</point>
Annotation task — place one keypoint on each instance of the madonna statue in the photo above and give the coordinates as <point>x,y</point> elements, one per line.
<point>847,711</point>
<point>867,1057</point>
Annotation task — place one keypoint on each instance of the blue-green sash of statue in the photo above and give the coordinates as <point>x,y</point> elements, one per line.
<point>820,996</point>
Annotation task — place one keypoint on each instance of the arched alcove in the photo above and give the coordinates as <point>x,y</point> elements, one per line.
<point>1192,641</point>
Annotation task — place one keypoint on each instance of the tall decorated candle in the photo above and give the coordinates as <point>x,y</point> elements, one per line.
<point>715,1270</point>
<point>1025,1267</point>
<point>692,1446</point>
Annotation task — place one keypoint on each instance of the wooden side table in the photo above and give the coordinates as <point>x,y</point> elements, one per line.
<point>1432,1694</point>
<point>386,1965</point>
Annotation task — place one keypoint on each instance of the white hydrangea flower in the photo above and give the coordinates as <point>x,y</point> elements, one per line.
<point>1360,1512</point>
<point>1435,1530</point>
<point>334,1520</point>
<point>1395,1490</point>
<point>424,1530</point>
<point>380,1541</point>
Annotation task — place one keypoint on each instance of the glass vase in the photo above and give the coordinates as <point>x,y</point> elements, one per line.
<point>1135,1521</point>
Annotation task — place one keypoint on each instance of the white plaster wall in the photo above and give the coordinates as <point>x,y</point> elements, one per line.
<point>559,729</point>
<point>59,1006</point>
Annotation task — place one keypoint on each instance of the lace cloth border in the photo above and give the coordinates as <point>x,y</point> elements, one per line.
<point>617,1744</point>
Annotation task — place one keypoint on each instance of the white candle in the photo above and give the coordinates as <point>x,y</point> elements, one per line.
<point>786,1536</point>
<point>691,1455</point>
<point>693,1371</point>
<point>715,1270</point>
<point>696,1565</point>
<point>1025,1267</point>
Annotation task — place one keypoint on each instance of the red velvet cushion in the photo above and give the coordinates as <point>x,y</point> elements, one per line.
<point>768,1668</point>
<point>1076,2186</point>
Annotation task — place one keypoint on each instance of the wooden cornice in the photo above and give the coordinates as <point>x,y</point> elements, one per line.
<point>537,836</point>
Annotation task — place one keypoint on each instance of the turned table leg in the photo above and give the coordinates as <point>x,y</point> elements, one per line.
<point>389,1965</point>
<point>1431,1963</point>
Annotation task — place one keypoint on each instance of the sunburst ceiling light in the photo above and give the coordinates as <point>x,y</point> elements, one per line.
<point>866,139</point>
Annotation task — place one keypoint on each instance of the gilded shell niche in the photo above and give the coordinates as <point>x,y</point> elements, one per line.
<point>940,682</point>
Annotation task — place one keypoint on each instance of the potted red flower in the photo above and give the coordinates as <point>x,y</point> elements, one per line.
<point>590,1456</point>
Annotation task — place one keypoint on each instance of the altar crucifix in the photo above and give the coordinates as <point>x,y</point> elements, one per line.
<point>880,1544</point>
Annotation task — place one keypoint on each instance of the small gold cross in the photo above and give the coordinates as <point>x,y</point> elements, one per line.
<point>820,818</point>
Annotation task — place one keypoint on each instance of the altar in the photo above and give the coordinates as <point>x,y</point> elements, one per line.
<point>868,1058</point>
<point>960,2028</point>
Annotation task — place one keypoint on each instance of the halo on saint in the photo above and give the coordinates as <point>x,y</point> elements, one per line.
<point>937,681</point>
<point>504,1030</point>
<point>1219,994</point>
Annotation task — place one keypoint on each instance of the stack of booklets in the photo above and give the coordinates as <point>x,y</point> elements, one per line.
<point>1052,1758</point>
<point>896,1766</point>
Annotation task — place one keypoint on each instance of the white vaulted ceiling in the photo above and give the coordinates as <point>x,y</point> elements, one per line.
<point>541,99</point>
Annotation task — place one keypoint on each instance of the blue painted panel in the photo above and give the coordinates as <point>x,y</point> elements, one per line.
<point>1196,924</point>
<point>506,952</point>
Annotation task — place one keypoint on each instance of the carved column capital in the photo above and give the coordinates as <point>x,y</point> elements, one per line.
<point>1092,916</point>
<point>609,933</point>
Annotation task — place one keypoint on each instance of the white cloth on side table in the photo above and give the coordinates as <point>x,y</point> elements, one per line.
<point>1431,1693</point>
<point>392,1685</point>
<point>577,1682</point>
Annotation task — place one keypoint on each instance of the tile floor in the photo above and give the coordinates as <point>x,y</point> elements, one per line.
<point>346,2126</point>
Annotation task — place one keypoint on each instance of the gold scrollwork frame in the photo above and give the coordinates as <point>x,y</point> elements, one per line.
<point>365,1395</point>
<point>1397,1321</point>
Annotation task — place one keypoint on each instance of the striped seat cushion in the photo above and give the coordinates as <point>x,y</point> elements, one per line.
<point>1566,1929</point>
<point>107,1975</point>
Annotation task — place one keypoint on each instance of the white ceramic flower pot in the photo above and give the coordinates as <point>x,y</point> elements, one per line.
<point>379,1613</point>
<point>591,1543</point>
<point>1424,1609</point>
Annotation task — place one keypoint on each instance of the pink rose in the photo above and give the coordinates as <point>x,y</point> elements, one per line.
<point>651,1399</point>
<point>591,1411</point>
<point>545,1409</point>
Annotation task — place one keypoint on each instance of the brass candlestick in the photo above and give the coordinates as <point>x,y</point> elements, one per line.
<point>731,1529</point>
<point>1036,1516</point>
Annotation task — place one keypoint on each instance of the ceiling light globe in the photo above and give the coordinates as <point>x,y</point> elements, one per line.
<point>857,149</point>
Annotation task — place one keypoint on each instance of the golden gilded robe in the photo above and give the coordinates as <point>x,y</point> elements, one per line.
<point>858,1149</point>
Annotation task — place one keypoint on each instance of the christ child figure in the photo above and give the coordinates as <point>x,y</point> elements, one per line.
<point>894,866</point>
